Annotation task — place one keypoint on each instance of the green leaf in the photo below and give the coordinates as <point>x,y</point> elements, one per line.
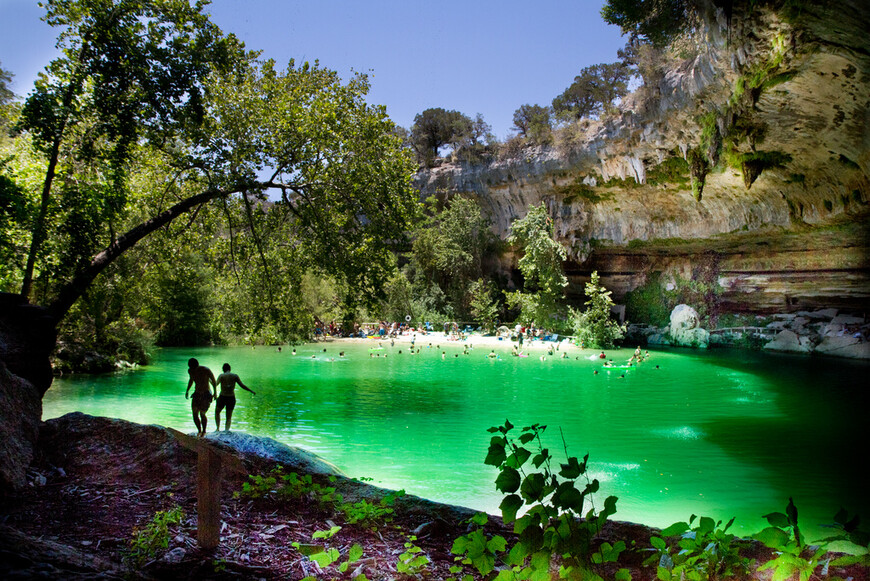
<point>532,487</point>
<point>308,549</point>
<point>326,558</point>
<point>773,537</point>
<point>526,438</point>
<point>540,561</point>
<point>508,480</point>
<point>326,534</point>
<point>518,458</point>
<point>495,456</point>
<point>517,555</point>
<point>677,528</point>
<point>777,519</point>
<point>572,469</point>
<point>496,544</point>
<point>484,564</point>
<point>706,525</point>
<point>355,553</point>
<point>541,458</point>
<point>509,507</point>
<point>792,512</point>
<point>480,519</point>
<point>658,543</point>
<point>622,575</point>
<point>567,497</point>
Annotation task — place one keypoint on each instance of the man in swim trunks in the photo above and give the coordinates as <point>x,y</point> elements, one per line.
<point>227,397</point>
<point>200,377</point>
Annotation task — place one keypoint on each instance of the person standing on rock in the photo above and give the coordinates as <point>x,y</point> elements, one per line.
<point>227,398</point>
<point>200,377</point>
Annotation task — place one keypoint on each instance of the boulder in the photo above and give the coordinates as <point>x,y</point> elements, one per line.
<point>846,346</point>
<point>789,342</point>
<point>685,328</point>
<point>847,320</point>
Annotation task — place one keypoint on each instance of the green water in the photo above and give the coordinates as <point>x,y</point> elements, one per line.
<point>722,434</point>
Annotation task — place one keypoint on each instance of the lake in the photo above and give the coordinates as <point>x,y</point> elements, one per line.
<point>724,433</point>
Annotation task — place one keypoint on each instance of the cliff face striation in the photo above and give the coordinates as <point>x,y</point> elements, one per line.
<point>751,155</point>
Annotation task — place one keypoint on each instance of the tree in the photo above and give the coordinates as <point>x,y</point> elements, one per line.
<point>437,127</point>
<point>132,71</point>
<point>541,266</point>
<point>533,122</point>
<point>593,91</point>
<point>658,21</point>
<point>595,327</point>
<point>224,139</point>
<point>484,304</point>
<point>449,252</point>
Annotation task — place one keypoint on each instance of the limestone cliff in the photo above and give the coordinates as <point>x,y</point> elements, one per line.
<point>754,149</point>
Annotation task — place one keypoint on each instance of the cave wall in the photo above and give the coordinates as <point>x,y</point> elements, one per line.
<point>811,115</point>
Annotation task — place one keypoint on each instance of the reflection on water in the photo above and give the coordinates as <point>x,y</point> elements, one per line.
<point>720,434</point>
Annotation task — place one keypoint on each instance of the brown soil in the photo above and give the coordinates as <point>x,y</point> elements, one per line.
<point>103,479</point>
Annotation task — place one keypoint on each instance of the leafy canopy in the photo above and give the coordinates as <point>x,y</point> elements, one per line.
<point>593,91</point>
<point>658,21</point>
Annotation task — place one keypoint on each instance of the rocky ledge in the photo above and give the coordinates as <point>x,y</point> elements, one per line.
<point>821,332</point>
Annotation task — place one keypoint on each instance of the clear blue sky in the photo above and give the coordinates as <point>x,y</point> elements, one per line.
<point>474,56</point>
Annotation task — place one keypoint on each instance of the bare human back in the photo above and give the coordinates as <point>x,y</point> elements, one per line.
<point>202,380</point>
<point>227,398</point>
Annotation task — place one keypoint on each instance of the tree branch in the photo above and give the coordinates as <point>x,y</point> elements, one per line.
<point>71,292</point>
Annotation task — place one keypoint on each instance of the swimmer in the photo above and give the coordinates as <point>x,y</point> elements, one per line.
<point>324,350</point>
<point>341,353</point>
<point>294,351</point>
<point>443,354</point>
<point>564,355</point>
<point>279,349</point>
<point>602,356</point>
<point>456,354</point>
<point>595,372</point>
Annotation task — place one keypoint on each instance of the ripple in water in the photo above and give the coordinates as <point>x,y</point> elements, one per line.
<point>680,433</point>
